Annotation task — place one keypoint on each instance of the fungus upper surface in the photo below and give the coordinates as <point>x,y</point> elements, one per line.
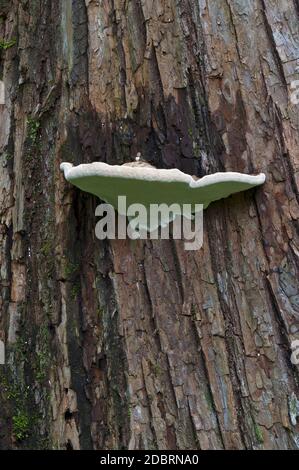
<point>147,185</point>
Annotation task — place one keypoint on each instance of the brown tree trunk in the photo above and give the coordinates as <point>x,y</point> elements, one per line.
<point>141,344</point>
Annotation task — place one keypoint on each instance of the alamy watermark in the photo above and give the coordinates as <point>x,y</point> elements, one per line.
<point>2,353</point>
<point>2,92</point>
<point>141,222</point>
<point>295,352</point>
<point>295,92</point>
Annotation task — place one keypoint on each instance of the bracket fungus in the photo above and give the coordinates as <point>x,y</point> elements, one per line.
<point>142,183</point>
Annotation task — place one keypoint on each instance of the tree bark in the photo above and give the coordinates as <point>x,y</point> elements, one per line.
<point>141,344</point>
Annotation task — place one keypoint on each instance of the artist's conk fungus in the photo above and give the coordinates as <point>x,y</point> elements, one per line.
<point>144,184</point>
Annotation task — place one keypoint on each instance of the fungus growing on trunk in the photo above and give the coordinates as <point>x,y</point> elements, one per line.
<point>142,183</point>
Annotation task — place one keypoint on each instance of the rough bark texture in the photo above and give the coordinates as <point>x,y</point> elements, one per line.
<point>142,344</point>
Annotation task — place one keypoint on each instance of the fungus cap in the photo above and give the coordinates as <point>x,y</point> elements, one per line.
<point>147,185</point>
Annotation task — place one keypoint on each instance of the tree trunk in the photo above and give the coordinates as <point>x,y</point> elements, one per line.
<point>141,344</point>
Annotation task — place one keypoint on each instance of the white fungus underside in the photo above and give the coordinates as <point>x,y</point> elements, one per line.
<point>148,185</point>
